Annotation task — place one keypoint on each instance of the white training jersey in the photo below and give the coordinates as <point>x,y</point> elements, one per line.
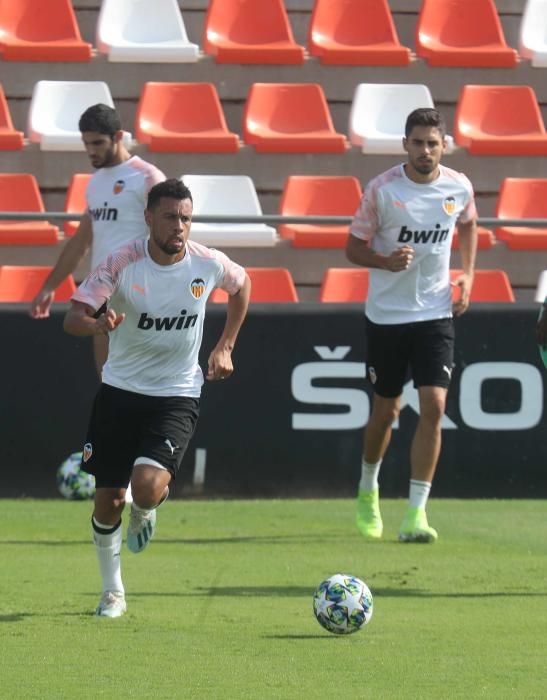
<point>116,200</point>
<point>395,211</point>
<point>154,351</point>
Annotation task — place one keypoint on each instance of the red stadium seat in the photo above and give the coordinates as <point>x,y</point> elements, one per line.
<point>355,32</point>
<point>485,239</point>
<point>75,200</point>
<point>269,285</point>
<point>462,33</point>
<point>344,285</point>
<point>34,30</point>
<point>250,31</point>
<point>21,283</point>
<point>522,198</point>
<point>183,117</point>
<point>500,120</point>
<point>336,195</point>
<point>10,139</point>
<point>290,118</point>
<point>20,193</point>
<point>488,285</point>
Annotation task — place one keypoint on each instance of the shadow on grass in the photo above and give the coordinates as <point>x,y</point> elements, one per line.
<point>236,592</point>
<point>303,636</point>
<point>15,617</point>
<point>305,591</point>
<point>265,539</point>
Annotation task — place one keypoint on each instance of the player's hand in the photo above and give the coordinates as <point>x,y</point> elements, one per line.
<point>108,322</point>
<point>220,364</point>
<point>400,259</point>
<point>464,283</point>
<point>40,305</point>
<point>541,329</point>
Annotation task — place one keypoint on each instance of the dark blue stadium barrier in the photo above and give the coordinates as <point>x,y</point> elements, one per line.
<point>289,422</point>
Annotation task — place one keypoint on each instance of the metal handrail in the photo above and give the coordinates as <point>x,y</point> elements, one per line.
<point>264,219</point>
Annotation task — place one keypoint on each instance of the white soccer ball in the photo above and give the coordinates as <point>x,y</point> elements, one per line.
<point>72,482</point>
<point>342,604</point>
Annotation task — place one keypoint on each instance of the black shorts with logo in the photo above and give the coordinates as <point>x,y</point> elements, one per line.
<point>125,426</point>
<point>424,349</point>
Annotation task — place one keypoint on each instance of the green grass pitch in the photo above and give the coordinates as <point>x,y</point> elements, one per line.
<point>220,604</point>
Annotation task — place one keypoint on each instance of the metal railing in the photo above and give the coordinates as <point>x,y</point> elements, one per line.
<point>275,219</point>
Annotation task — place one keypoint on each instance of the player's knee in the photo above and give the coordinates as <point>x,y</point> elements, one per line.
<point>148,485</point>
<point>432,414</point>
<point>384,416</point>
<point>109,504</point>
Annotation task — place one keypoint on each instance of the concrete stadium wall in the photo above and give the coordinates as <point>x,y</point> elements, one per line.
<point>289,422</point>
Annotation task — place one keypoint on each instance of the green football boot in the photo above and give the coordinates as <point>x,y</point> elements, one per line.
<point>369,520</point>
<point>415,527</point>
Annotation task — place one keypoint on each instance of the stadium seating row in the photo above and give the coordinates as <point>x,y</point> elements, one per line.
<point>235,195</point>
<point>284,118</point>
<point>339,285</point>
<point>353,32</point>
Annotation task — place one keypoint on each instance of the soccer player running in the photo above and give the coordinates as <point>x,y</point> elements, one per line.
<point>146,409</point>
<point>403,232</point>
<point>115,198</point>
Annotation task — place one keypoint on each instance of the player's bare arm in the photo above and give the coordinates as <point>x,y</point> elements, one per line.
<point>80,320</point>
<point>73,253</point>
<point>467,236</point>
<point>360,253</point>
<point>220,364</point>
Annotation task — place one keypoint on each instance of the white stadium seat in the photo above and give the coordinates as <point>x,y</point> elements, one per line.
<point>145,31</point>
<point>230,195</point>
<point>533,33</point>
<point>55,109</point>
<point>378,114</point>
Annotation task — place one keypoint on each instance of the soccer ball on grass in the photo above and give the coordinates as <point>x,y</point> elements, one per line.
<point>72,482</point>
<point>342,604</point>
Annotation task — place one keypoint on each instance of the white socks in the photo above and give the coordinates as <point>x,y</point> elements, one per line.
<point>419,490</point>
<point>419,493</point>
<point>108,543</point>
<point>369,475</point>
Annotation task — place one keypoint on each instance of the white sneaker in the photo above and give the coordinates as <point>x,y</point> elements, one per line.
<point>141,528</point>
<point>112,604</point>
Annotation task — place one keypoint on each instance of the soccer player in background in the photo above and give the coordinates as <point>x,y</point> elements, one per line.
<point>146,409</point>
<point>403,232</point>
<point>115,197</point>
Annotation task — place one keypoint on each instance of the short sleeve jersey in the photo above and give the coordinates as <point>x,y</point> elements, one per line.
<point>154,351</point>
<point>116,199</point>
<point>396,211</point>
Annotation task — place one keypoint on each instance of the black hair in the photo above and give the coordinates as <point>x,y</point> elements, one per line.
<point>173,188</point>
<point>100,118</point>
<point>425,116</point>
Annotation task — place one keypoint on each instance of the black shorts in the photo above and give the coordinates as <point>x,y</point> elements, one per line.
<point>424,349</point>
<point>125,426</point>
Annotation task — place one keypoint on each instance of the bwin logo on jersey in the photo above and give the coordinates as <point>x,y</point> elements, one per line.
<point>197,287</point>
<point>167,323</point>
<point>435,235</point>
<point>118,186</point>
<point>104,213</point>
<point>449,205</point>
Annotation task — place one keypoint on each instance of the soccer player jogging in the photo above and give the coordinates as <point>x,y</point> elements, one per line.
<point>115,198</point>
<point>403,232</point>
<point>146,409</point>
